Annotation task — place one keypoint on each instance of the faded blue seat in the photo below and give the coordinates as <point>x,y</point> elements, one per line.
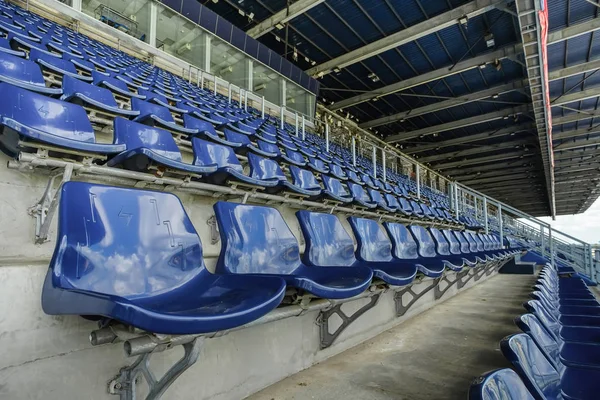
<point>336,190</point>
<point>416,208</point>
<point>268,148</point>
<point>78,92</point>
<point>337,172</point>
<point>366,179</point>
<point>256,241</point>
<point>228,165</point>
<point>568,328</point>
<point>146,146</point>
<point>205,130</point>
<point>114,85</point>
<point>134,256</point>
<point>378,199</point>
<point>405,207</point>
<point>459,248</point>
<point>500,384</point>
<point>293,157</point>
<point>154,115</point>
<point>29,116</point>
<point>318,165</point>
<point>57,65</point>
<point>469,248</point>
<point>5,48</point>
<point>360,196</point>
<point>431,264</point>
<point>392,202</point>
<point>541,378</point>
<point>443,249</point>
<point>374,250</point>
<point>153,96</point>
<point>243,144</point>
<point>24,73</point>
<point>352,176</point>
<point>304,182</point>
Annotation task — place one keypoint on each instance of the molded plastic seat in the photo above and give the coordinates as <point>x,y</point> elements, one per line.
<point>26,116</point>
<point>24,73</point>
<point>154,115</point>
<point>114,85</point>
<point>337,172</point>
<point>304,182</point>
<point>78,92</point>
<point>146,145</point>
<point>134,256</point>
<point>378,199</point>
<point>431,264</point>
<point>375,251</point>
<point>336,190</point>
<point>244,145</point>
<point>540,376</point>
<point>354,177</point>
<point>257,241</point>
<point>500,384</point>
<point>405,207</point>
<point>293,157</point>
<point>228,165</point>
<point>454,262</point>
<point>205,130</point>
<point>57,65</point>
<point>318,165</point>
<point>5,48</point>
<point>360,196</point>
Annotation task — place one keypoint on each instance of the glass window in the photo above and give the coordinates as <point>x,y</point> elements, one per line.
<point>179,37</point>
<point>131,16</point>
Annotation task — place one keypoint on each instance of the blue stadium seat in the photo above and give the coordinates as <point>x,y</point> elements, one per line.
<point>256,241</point>
<point>57,65</point>
<point>153,96</point>
<point>541,378</point>
<point>114,85</point>
<point>318,165</point>
<point>24,73</point>
<point>455,261</point>
<point>501,384</point>
<point>304,182</point>
<point>336,190</point>
<point>244,145</point>
<point>294,157</point>
<point>353,177</point>
<point>378,199</point>
<point>374,250</point>
<point>78,92</point>
<point>205,130</point>
<point>134,256</point>
<point>154,115</point>
<point>360,196</point>
<point>337,172</point>
<point>147,146</point>
<point>29,116</point>
<point>5,48</point>
<point>430,262</point>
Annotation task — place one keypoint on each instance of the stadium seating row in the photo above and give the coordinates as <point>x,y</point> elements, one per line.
<point>134,256</point>
<point>557,356</point>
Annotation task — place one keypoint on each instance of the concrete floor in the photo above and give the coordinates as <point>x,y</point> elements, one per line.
<point>435,355</point>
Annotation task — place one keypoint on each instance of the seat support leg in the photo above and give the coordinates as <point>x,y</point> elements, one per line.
<point>402,308</point>
<point>43,211</point>
<point>459,277</point>
<point>125,383</point>
<point>327,338</point>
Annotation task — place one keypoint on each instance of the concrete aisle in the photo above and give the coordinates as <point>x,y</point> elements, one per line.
<point>435,355</point>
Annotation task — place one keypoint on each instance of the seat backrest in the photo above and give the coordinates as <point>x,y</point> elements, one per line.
<point>337,170</point>
<point>477,240</point>
<point>268,147</point>
<point>529,361</point>
<point>392,201</point>
<point>532,326</point>
<point>501,384</point>
<point>137,136</point>
<point>358,192</point>
<point>545,317</point>
<point>376,197</point>
<point>202,126</point>
<point>373,244</point>
<point>236,137</point>
<point>454,244</point>
<point>264,168</point>
<point>469,239</point>
<point>255,240</point>
<point>425,243</point>
<point>464,244</point>
<point>123,242</point>
<point>295,156</point>
<point>404,246</point>
<point>328,244</point>
<point>416,207</point>
<point>147,109</point>
<point>443,247</point>
<point>209,153</point>
<point>304,178</point>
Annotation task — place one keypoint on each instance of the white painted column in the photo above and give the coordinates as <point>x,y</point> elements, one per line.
<point>283,92</point>
<point>374,162</point>
<point>206,47</point>
<point>215,84</point>
<point>383,164</point>
<point>353,151</point>
<point>303,128</point>
<point>262,108</point>
<point>297,127</point>
<point>327,138</point>
<point>455,186</point>
<point>500,224</point>
<point>246,100</point>
<point>153,21</point>
<point>281,116</point>
<point>250,75</point>
<point>485,215</point>
<point>229,90</point>
<point>418,173</point>
<point>543,240</point>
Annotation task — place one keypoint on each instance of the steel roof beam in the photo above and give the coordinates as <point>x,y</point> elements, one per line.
<point>495,179</point>
<point>283,16</point>
<point>573,31</point>
<point>478,119</point>
<point>473,151</point>
<point>476,62</point>
<point>581,116</point>
<point>577,144</point>
<point>442,105</point>
<point>469,138</point>
<point>573,70</point>
<point>411,33</point>
<point>484,160</point>
<point>457,172</point>
<point>492,174</point>
<point>532,182</point>
<point>575,133</point>
<point>577,96</point>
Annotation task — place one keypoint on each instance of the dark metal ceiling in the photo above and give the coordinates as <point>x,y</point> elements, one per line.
<point>427,80</point>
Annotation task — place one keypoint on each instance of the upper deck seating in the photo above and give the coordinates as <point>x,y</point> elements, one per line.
<point>501,384</point>
<point>32,117</point>
<point>134,256</point>
<point>256,241</point>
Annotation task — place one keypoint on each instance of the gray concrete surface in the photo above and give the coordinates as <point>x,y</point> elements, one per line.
<point>435,355</point>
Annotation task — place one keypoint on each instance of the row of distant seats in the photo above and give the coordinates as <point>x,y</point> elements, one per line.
<point>558,355</point>
<point>81,98</point>
<point>134,256</point>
